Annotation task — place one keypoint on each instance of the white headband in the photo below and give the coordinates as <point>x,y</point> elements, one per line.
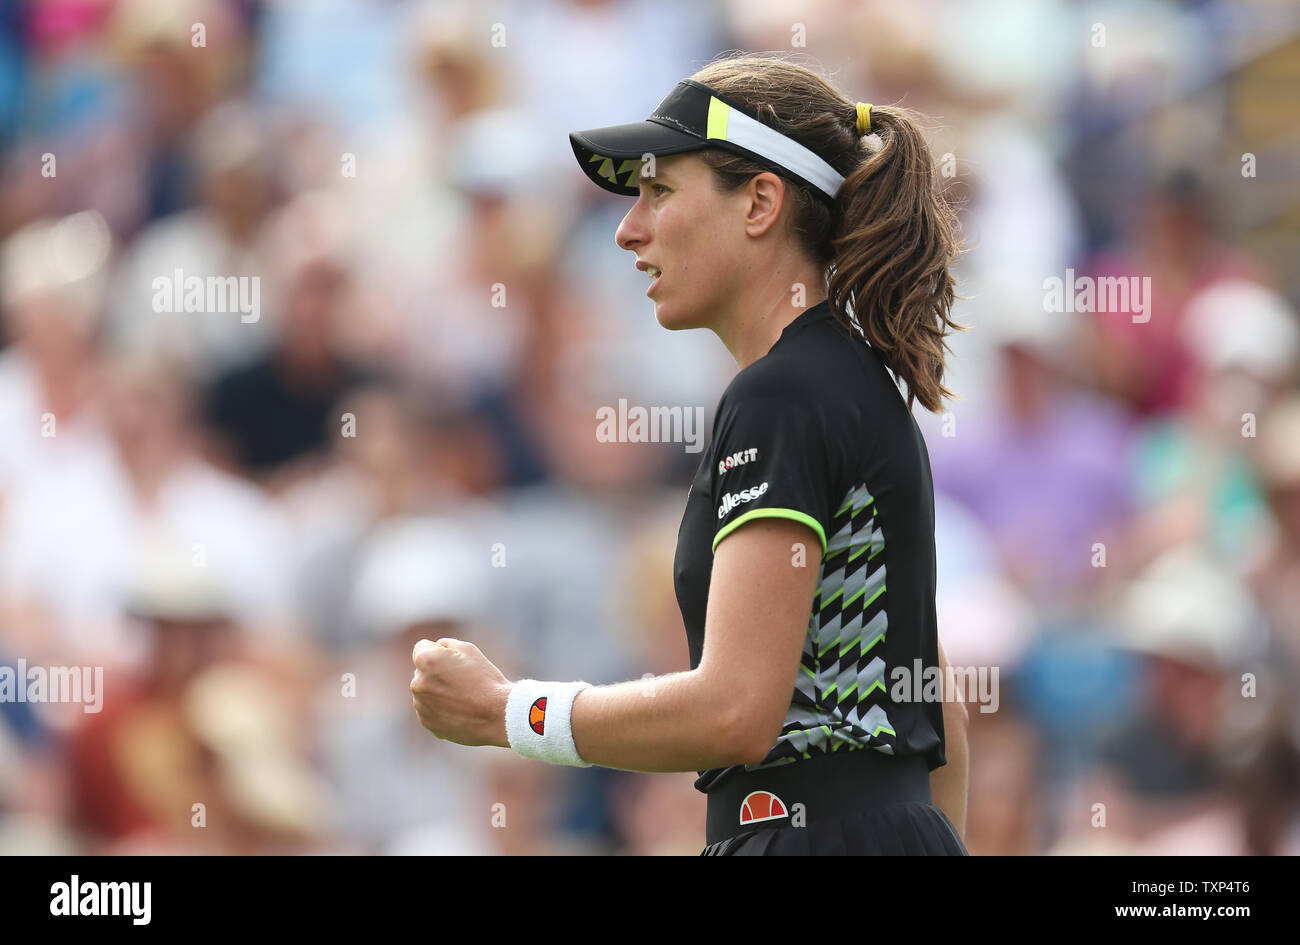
<point>730,124</point>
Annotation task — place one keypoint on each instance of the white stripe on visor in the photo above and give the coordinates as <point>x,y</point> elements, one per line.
<point>729,124</point>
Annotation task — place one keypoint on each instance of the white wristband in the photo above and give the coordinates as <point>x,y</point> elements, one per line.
<point>538,721</point>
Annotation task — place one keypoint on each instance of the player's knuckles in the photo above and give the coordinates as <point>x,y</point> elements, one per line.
<point>424,649</point>
<point>453,647</point>
<point>429,661</point>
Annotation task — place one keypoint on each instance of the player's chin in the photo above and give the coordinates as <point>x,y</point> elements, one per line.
<point>672,317</point>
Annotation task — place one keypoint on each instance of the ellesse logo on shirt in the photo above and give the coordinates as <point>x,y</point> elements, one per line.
<point>731,500</point>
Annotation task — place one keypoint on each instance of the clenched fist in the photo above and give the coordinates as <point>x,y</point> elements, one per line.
<point>458,694</point>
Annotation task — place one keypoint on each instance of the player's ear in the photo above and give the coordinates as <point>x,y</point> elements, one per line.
<point>766,192</point>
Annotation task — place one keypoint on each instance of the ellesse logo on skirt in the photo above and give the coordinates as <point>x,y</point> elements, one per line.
<point>761,805</point>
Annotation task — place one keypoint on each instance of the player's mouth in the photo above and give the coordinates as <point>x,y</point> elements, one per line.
<point>655,273</point>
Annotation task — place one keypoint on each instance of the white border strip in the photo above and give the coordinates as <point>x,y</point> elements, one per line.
<point>757,137</point>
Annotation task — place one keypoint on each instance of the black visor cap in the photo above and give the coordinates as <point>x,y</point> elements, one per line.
<point>613,156</point>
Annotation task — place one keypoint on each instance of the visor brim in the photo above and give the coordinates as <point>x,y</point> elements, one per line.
<point>612,156</point>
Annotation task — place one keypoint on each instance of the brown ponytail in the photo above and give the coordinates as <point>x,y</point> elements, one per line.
<point>888,240</point>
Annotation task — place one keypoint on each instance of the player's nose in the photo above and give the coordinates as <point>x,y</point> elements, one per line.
<point>632,232</point>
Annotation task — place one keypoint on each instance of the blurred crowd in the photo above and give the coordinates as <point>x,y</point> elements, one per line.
<point>247,512</point>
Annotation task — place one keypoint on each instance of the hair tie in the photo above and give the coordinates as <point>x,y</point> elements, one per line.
<point>864,119</point>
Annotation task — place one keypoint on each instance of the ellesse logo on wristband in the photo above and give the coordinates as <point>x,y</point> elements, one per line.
<point>537,716</point>
<point>731,500</point>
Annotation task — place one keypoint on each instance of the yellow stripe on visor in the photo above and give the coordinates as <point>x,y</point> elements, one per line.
<point>717,125</point>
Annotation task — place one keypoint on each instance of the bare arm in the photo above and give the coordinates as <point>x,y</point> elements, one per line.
<point>729,710</point>
<point>948,785</point>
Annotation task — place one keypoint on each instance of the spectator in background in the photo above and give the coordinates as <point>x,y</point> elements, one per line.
<point>1268,784</point>
<point>1176,245</point>
<point>406,459</point>
<point>1044,470</point>
<point>193,754</point>
<point>402,182</point>
<point>53,274</point>
<point>266,799</point>
<point>34,808</point>
<point>483,330</point>
<point>1275,572</point>
<point>134,767</point>
<point>272,418</point>
<point>69,105</point>
<point>1163,776</point>
<point>219,238</point>
<point>399,790</point>
<point>70,532</point>
<point>172,88</point>
<point>454,64</point>
<point>1193,474</point>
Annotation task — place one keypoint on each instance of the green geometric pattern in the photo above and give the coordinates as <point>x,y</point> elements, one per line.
<point>630,166</point>
<point>840,696</point>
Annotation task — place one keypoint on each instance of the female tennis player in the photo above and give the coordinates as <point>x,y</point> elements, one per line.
<point>807,232</point>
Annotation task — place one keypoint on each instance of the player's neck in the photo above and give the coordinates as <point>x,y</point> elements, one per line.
<point>756,325</point>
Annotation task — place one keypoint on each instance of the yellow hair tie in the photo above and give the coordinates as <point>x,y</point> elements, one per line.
<point>864,119</point>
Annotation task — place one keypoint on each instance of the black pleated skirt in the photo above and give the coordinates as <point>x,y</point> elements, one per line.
<point>896,830</point>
